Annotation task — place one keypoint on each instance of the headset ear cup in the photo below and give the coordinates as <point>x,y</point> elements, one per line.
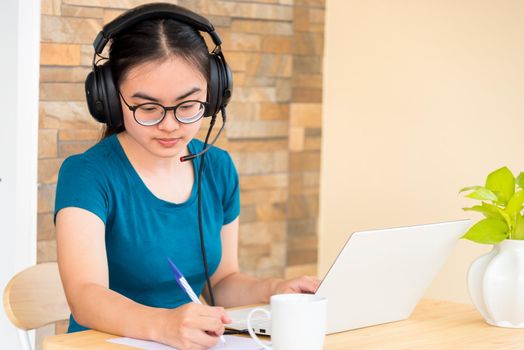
<point>112,99</point>
<point>227,87</point>
<point>214,86</point>
<point>220,83</point>
<point>91,95</point>
<point>93,98</point>
<point>102,97</point>
<point>228,93</point>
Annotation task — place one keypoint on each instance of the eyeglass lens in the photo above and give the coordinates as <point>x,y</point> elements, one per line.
<point>152,113</point>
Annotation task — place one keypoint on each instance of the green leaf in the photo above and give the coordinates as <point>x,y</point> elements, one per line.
<point>520,180</point>
<point>502,183</point>
<point>515,204</point>
<point>519,228</point>
<point>487,231</point>
<point>488,210</point>
<point>480,193</point>
<point>506,217</point>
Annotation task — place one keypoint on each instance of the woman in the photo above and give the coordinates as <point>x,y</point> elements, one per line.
<point>127,204</point>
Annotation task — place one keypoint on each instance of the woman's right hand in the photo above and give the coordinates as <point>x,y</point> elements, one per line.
<point>193,326</point>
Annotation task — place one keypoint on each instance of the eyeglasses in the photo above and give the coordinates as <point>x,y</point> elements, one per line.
<point>153,113</point>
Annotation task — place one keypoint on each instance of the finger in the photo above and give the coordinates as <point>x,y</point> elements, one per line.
<point>226,319</point>
<point>206,340</point>
<point>209,311</point>
<point>188,338</point>
<point>307,285</point>
<point>223,316</point>
<point>217,327</point>
<point>217,333</point>
<point>197,339</point>
<point>208,324</point>
<point>316,281</point>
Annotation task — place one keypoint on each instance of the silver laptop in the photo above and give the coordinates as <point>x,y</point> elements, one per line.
<point>379,276</point>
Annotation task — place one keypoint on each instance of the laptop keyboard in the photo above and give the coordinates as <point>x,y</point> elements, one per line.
<point>262,323</point>
<point>259,321</point>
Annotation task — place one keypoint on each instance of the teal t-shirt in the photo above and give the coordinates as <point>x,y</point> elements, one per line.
<point>141,230</point>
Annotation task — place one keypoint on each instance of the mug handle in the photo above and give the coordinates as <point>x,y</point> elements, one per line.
<point>263,344</point>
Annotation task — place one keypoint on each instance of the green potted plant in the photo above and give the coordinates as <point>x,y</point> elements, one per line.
<point>496,279</point>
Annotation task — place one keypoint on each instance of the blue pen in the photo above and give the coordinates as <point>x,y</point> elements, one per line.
<point>182,282</point>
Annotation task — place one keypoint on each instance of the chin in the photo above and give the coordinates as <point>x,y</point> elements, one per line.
<point>173,152</point>
<point>168,154</point>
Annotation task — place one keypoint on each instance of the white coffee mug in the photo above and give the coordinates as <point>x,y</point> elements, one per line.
<point>298,321</point>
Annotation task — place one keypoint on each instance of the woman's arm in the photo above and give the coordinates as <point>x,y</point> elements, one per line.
<point>232,288</point>
<point>84,272</point>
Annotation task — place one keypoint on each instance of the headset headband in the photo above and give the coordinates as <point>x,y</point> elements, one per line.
<point>102,96</point>
<point>153,11</point>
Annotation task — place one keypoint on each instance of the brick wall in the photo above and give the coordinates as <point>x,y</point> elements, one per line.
<point>275,49</point>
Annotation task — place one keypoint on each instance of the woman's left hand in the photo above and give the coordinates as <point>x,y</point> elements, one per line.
<point>304,284</point>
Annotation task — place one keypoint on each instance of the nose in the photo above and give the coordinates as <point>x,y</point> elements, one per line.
<point>169,122</point>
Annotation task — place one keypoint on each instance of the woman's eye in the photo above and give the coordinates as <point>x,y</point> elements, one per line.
<point>149,108</point>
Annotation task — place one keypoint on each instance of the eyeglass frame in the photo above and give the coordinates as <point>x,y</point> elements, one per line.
<point>166,109</point>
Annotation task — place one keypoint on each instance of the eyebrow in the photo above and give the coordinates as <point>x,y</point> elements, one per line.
<point>150,98</point>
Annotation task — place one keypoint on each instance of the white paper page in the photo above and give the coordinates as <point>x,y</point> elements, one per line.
<point>232,342</point>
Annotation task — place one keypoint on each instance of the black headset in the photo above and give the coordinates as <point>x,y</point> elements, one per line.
<point>102,95</point>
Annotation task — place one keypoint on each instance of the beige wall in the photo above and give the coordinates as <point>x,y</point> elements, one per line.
<point>421,98</point>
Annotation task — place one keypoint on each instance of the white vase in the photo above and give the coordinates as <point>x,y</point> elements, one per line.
<point>496,284</point>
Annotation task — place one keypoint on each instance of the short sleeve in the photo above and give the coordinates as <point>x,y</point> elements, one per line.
<point>231,198</point>
<point>81,184</point>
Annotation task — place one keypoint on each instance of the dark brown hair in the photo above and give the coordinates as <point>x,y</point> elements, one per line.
<point>155,40</point>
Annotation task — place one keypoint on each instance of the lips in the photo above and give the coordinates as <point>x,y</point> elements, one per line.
<point>168,142</point>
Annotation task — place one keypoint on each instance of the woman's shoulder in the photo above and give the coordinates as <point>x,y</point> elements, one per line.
<point>99,156</point>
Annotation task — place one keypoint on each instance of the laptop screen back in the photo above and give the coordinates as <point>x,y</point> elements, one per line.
<point>380,275</point>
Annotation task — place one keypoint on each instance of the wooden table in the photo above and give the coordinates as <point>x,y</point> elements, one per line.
<point>433,325</point>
